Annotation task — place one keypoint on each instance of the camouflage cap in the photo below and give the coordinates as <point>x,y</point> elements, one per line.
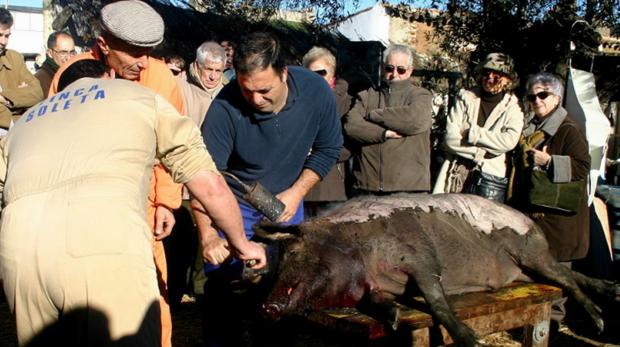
<point>134,22</point>
<point>500,62</point>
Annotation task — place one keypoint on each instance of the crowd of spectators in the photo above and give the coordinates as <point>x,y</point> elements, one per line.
<point>299,132</point>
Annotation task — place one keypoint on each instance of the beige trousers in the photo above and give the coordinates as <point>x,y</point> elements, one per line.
<point>50,285</point>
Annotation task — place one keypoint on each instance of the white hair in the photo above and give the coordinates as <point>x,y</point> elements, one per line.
<point>404,49</point>
<point>210,51</point>
<point>548,80</point>
<point>316,53</point>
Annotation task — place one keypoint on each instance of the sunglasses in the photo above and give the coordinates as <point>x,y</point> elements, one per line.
<point>541,95</point>
<point>487,72</point>
<point>390,68</point>
<point>321,72</point>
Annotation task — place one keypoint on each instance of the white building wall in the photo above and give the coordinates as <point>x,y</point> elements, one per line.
<point>27,33</point>
<point>369,25</point>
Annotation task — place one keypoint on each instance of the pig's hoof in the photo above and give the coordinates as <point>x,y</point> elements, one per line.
<point>468,338</point>
<point>600,324</point>
<point>395,320</point>
<point>595,312</point>
<point>272,311</point>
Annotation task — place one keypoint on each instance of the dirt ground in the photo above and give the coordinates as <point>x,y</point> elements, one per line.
<point>187,331</point>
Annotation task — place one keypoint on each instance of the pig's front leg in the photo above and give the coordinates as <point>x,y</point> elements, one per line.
<point>435,297</point>
<point>425,271</point>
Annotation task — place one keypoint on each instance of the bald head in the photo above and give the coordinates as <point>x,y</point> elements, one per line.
<point>60,47</point>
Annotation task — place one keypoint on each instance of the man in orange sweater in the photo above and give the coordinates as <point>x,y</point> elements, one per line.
<point>129,31</point>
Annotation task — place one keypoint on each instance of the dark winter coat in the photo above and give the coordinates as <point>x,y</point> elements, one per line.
<point>391,165</point>
<point>333,186</point>
<point>568,234</point>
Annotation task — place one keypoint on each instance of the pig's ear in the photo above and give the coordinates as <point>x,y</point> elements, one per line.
<point>274,231</point>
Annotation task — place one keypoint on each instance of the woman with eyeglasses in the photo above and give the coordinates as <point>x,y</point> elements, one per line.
<point>484,124</point>
<point>333,186</point>
<point>391,126</point>
<point>554,144</point>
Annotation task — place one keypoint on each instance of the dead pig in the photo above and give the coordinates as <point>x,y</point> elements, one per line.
<point>371,248</point>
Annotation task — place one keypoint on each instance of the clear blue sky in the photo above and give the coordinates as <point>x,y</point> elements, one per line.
<point>28,3</point>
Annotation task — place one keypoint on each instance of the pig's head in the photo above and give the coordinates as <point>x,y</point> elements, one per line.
<point>318,269</point>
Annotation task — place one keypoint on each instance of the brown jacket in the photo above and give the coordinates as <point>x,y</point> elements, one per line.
<point>333,186</point>
<point>568,235</point>
<point>17,85</point>
<point>391,165</point>
<point>46,74</point>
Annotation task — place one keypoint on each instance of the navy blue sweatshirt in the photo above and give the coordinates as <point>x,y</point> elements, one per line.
<point>271,148</point>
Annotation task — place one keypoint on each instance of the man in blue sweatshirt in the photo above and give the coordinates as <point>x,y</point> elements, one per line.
<point>277,125</point>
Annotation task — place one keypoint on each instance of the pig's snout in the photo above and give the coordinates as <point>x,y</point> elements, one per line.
<point>272,310</point>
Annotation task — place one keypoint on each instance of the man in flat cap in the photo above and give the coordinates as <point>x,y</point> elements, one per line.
<point>484,124</point>
<point>129,31</point>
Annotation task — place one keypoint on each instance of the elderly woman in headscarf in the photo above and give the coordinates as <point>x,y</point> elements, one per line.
<point>484,124</point>
<point>554,145</point>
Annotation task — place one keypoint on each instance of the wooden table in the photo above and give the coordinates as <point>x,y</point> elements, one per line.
<point>515,306</point>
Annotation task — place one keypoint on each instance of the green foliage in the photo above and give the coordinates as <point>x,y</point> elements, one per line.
<point>260,10</point>
<point>536,33</point>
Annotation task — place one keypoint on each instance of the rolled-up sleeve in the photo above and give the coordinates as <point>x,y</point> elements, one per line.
<point>179,144</point>
<point>328,142</point>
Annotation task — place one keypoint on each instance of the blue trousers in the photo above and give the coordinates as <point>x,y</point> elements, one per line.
<point>250,217</point>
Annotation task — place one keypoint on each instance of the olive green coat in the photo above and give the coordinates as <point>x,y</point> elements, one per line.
<point>18,86</point>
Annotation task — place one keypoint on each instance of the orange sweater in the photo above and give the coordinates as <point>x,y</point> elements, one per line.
<point>157,77</point>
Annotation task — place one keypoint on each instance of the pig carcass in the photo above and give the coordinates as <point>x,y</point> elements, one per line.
<point>372,248</point>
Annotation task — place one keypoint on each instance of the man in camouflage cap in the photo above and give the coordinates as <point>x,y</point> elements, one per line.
<point>484,124</point>
<point>130,29</point>
<point>504,65</point>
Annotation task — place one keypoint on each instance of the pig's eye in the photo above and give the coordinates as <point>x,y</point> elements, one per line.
<point>324,271</point>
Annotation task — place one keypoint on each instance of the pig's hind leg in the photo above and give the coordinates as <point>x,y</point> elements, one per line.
<point>534,257</point>
<point>604,288</point>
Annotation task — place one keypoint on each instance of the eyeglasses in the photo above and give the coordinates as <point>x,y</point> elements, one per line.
<point>65,53</point>
<point>321,72</point>
<point>541,95</point>
<point>400,69</point>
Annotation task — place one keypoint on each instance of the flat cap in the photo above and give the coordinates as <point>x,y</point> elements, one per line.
<point>134,22</point>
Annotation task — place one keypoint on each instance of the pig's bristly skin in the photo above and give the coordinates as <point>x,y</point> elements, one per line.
<point>481,214</point>
<point>371,247</point>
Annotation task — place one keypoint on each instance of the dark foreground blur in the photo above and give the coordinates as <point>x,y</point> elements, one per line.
<point>576,331</point>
